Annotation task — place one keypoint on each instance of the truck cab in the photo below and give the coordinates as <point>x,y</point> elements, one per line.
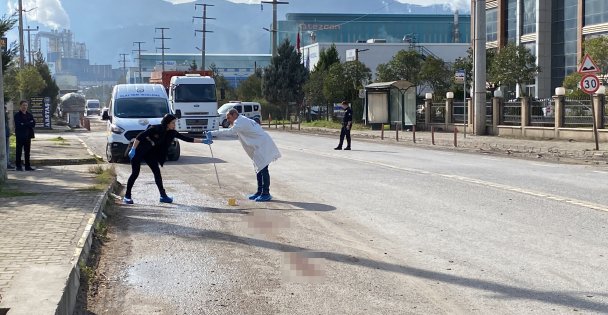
<point>194,101</point>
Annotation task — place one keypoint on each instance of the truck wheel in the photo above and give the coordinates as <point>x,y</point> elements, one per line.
<point>257,120</point>
<point>109,156</point>
<point>174,152</point>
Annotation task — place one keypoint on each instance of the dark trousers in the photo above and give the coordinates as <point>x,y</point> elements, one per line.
<point>23,145</point>
<point>263,181</point>
<point>344,132</point>
<point>135,167</point>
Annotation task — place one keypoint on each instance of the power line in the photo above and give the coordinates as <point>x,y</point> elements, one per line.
<point>139,50</point>
<point>162,48</point>
<point>204,19</point>
<point>274,23</point>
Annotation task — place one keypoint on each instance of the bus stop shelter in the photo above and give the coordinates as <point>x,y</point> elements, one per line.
<point>391,103</point>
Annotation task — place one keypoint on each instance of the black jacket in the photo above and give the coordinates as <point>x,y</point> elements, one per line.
<point>24,126</point>
<point>154,142</point>
<point>348,116</point>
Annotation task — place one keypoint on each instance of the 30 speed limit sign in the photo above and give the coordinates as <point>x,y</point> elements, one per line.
<point>590,83</point>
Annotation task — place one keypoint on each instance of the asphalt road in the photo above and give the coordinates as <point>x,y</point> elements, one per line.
<point>381,229</point>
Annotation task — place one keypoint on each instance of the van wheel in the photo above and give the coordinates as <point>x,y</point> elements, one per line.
<point>109,156</point>
<point>225,123</point>
<point>257,120</point>
<point>174,152</point>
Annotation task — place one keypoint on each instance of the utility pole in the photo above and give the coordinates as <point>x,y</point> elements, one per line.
<point>274,23</point>
<point>204,19</point>
<point>162,45</point>
<point>3,148</point>
<point>124,65</point>
<point>29,52</point>
<point>139,50</point>
<point>479,122</point>
<point>21,50</point>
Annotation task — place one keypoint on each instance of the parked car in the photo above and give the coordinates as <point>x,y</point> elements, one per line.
<point>251,110</point>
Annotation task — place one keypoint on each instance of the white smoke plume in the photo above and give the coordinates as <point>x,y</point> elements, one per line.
<point>49,13</point>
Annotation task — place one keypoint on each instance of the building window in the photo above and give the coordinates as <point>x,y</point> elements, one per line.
<point>596,11</point>
<point>529,17</point>
<point>492,25</point>
<point>564,40</point>
<point>511,14</point>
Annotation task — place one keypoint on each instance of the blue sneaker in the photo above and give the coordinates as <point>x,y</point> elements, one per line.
<point>127,201</point>
<point>254,196</point>
<point>166,199</point>
<point>264,197</point>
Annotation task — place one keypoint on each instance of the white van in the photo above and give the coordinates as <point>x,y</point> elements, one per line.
<point>92,107</point>
<point>133,107</point>
<point>251,110</point>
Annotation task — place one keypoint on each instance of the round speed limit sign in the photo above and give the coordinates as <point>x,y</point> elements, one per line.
<point>590,83</point>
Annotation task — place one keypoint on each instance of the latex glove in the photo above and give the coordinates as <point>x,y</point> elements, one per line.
<point>208,138</point>
<point>132,153</point>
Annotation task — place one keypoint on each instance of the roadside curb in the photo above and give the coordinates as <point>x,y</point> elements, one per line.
<point>485,147</point>
<point>70,293</point>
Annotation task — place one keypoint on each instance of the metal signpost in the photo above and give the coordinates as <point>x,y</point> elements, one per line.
<point>460,77</point>
<point>590,83</point>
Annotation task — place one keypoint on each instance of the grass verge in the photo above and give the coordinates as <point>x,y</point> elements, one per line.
<point>10,193</point>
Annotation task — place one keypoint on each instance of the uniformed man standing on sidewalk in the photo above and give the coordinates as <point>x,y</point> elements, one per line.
<point>347,123</point>
<point>24,132</point>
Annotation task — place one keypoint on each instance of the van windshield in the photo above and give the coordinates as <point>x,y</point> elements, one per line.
<point>93,105</point>
<point>225,107</point>
<point>195,93</point>
<point>141,107</point>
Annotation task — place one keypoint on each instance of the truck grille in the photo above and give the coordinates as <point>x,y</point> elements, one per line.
<point>196,113</point>
<point>196,122</point>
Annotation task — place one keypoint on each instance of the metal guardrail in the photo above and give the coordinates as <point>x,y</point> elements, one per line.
<point>489,113</point>
<point>459,112</point>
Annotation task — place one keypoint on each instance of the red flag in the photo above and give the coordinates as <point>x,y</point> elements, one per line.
<point>298,42</point>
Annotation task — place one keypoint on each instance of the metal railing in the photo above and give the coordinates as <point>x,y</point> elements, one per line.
<point>489,113</point>
<point>438,112</point>
<point>459,112</point>
<point>511,113</point>
<point>578,112</point>
<point>542,113</point>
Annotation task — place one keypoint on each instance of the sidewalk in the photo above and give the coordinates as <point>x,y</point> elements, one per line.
<point>562,151</point>
<point>46,217</point>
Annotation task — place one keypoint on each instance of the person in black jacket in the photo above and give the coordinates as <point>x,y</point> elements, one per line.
<point>347,123</point>
<point>151,146</point>
<point>24,132</point>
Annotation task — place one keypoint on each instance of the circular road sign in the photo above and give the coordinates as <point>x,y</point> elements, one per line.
<point>590,83</point>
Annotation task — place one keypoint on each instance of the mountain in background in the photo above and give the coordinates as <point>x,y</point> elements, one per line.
<point>109,27</point>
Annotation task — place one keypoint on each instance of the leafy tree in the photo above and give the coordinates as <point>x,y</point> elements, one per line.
<point>597,48</point>
<point>251,88</point>
<point>327,58</point>
<point>313,90</point>
<point>6,24</point>
<point>572,84</point>
<point>514,65</point>
<point>284,78</point>
<point>29,81</point>
<point>334,87</point>
<point>356,74</point>
<point>405,65</point>
<point>466,63</point>
<point>221,84</point>
<point>51,89</point>
<point>436,74</point>
<point>193,66</point>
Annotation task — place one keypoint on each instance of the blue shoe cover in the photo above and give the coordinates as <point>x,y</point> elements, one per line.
<point>166,199</point>
<point>127,201</point>
<point>263,198</point>
<point>254,196</point>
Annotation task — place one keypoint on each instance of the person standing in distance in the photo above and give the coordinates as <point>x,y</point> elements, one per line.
<point>258,145</point>
<point>347,123</point>
<point>151,146</point>
<point>24,132</point>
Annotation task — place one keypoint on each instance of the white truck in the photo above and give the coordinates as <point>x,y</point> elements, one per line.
<point>192,96</point>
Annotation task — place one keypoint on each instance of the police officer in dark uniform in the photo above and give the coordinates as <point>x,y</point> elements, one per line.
<point>347,123</point>
<point>24,132</point>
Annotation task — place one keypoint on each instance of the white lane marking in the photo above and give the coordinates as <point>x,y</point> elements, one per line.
<point>480,182</point>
